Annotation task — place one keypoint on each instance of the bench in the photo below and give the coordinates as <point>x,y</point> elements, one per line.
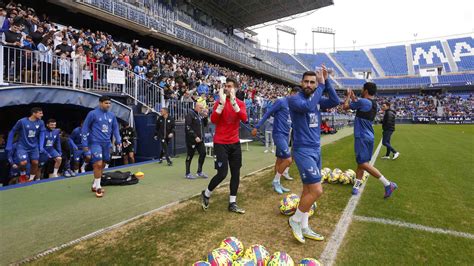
<point>210,146</point>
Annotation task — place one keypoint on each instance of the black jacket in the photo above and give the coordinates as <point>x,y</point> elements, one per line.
<point>194,126</point>
<point>388,122</point>
<point>164,127</point>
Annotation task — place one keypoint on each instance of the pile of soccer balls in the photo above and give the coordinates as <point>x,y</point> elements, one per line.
<point>289,204</point>
<point>231,253</point>
<point>337,176</point>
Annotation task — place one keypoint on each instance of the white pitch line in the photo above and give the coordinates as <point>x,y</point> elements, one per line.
<point>328,257</point>
<point>413,226</point>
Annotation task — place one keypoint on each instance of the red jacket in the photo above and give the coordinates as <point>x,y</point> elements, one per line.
<point>228,122</point>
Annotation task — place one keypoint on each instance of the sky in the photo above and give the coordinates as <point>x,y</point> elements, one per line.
<point>371,23</point>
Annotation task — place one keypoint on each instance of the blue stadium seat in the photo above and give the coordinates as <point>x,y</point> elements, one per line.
<point>456,78</point>
<point>429,54</point>
<point>402,82</point>
<point>354,61</point>
<point>316,60</point>
<point>463,52</point>
<point>392,60</point>
<point>288,60</point>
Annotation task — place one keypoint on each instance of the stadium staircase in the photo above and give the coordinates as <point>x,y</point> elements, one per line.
<point>411,67</point>
<point>341,69</point>
<point>300,62</point>
<point>433,79</point>
<point>375,63</point>
<point>449,55</point>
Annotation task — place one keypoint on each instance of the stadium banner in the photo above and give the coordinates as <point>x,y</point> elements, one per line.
<point>452,84</point>
<point>115,76</point>
<point>443,120</point>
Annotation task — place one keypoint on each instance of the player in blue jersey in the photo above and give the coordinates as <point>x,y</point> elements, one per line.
<point>52,146</point>
<point>78,151</point>
<point>366,110</point>
<point>97,132</point>
<point>281,137</point>
<point>305,114</point>
<point>30,144</point>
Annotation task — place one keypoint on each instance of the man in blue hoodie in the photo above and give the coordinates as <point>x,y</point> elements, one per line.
<point>30,142</point>
<point>281,137</point>
<point>52,146</point>
<point>77,150</point>
<point>366,110</point>
<point>305,114</point>
<point>97,132</point>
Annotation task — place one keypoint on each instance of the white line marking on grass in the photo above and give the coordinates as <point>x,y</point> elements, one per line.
<point>329,254</point>
<point>413,226</point>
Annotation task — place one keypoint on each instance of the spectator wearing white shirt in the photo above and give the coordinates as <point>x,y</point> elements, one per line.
<point>45,50</point>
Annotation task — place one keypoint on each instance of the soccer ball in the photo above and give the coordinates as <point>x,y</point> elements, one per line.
<point>201,263</point>
<point>289,204</point>
<point>344,178</point>
<point>258,254</point>
<point>325,173</point>
<point>139,175</point>
<point>365,177</point>
<point>351,175</point>
<point>220,257</point>
<point>235,247</point>
<point>244,262</point>
<point>313,209</point>
<point>280,259</point>
<point>334,178</point>
<point>309,262</point>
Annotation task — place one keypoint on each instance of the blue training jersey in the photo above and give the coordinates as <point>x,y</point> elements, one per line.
<point>305,115</point>
<point>30,134</point>
<point>52,140</point>
<point>281,114</point>
<point>99,127</point>
<point>362,127</point>
<point>76,137</point>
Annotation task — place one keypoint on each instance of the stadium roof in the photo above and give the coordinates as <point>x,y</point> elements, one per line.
<point>246,13</point>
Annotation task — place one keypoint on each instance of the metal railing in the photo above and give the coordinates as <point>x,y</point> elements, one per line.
<point>43,68</point>
<point>165,23</point>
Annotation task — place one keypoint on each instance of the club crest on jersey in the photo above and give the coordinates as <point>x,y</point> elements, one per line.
<point>110,120</point>
<point>219,164</point>
<point>37,126</point>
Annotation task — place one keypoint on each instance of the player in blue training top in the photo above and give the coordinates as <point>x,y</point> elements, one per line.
<point>281,137</point>
<point>30,142</point>
<point>78,152</point>
<point>97,132</point>
<point>366,110</point>
<point>305,114</point>
<point>52,146</point>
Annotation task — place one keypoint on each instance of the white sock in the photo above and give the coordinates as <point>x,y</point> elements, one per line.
<point>97,182</point>
<point>83,167</point>
<point>304,221</point>
<point>357,183</point>
<point>285,173</point>
<point>32,177</point>
<point>384,181</point>
<point>207,193</point>
<point>298,216</point>
<point>55,171</point>
<point>23,173</point>
<point>232,199</point>
<point>277,177</point>
<point>76,171</point>
<point>106,166</point>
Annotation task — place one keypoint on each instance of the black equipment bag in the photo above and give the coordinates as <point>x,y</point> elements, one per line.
<point>118,178</point>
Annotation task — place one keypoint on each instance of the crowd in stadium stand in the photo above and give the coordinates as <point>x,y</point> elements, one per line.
<point>182,78</point>
<point>427,105</point>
